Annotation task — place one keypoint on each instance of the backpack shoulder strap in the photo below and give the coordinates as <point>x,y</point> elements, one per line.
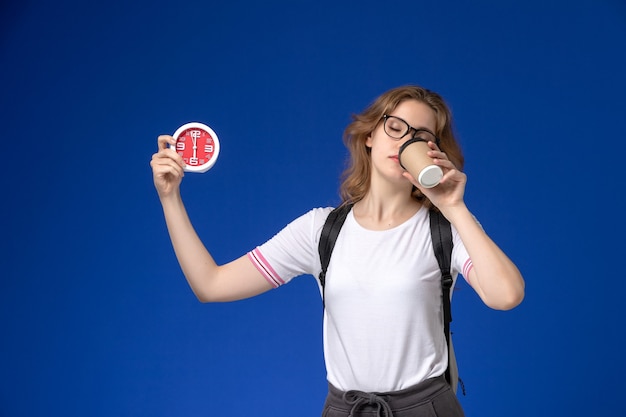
<point>441,234</point>
<point>330,231</point>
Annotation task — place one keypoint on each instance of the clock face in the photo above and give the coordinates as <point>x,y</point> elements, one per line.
<point>198,145</point>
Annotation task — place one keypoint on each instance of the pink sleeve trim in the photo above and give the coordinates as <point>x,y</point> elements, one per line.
<point>261,264</point>
<point>466,269</point>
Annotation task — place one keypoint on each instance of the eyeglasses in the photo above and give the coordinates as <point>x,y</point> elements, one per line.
<point>397,128</point>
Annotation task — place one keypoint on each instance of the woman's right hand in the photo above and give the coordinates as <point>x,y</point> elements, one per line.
<point>167,167</point>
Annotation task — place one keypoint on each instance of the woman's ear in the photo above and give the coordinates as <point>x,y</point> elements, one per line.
<point>368,141</point>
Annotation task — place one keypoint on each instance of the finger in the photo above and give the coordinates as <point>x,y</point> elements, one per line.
<point>164,156</point>
<point>168,157</point>
<point>162,167</point>
<point>409,177</point>
<point>437,154</point>
<point>169,153</point>
<point>432,145</point>
<point>165,140</point>
<point>454,176</point>
<point>444,163</point>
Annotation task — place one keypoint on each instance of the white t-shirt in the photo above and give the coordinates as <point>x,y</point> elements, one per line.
<point>383,321</point>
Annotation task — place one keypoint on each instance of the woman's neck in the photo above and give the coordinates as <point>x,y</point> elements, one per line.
<point>385,210</point>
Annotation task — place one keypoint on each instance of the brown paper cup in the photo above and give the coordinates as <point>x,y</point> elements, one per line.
<point>414,158</point>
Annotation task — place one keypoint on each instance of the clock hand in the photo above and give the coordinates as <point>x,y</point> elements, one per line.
<point>195,147</point>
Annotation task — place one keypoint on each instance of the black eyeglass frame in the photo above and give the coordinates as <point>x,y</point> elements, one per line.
<point>416,131</point>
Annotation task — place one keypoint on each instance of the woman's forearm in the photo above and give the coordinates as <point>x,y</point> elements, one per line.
<point>494,276</point>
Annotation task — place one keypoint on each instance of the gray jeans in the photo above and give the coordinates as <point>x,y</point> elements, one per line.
<point>430,398</point>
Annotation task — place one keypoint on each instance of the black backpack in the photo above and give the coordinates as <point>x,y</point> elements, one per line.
<point>442,245</point>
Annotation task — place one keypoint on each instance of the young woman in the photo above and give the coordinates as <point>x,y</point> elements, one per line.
<point>384,347</point>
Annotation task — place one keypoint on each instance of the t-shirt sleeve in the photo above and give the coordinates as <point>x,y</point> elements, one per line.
<point>461,261</point>
<point>293,250</point>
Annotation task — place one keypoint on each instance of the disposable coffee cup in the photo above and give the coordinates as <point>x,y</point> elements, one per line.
<point>413,157</point>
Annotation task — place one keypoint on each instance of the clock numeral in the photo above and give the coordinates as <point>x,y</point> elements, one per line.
<point>208,148</point>
<point>180,146</point>
<point>193,161</point>
<point>195,134</point>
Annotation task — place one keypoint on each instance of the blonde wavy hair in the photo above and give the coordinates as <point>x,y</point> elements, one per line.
<point>356,178</point>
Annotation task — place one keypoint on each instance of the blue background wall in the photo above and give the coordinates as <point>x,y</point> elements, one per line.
<point>95,316</point>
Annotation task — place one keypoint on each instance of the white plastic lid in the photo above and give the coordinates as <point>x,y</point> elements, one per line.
<point>430,176</point>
